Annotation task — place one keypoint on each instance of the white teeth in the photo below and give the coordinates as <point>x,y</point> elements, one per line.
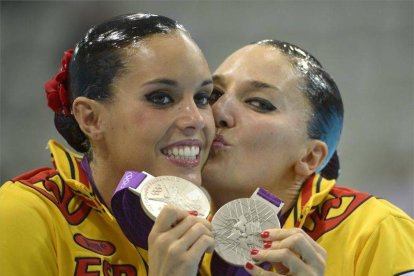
<point>183,152</point>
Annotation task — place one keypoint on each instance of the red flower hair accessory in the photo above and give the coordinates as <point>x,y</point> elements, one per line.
<point>57,92</point>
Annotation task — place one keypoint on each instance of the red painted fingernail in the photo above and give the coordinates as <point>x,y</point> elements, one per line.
<point>249,266</point>
<point>267,244</point>
<point>265,234</point>
<point>254,251</point>
<point>193,213</point>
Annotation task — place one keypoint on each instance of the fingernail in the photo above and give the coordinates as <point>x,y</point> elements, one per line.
<point>193,213</point>
<point>254,251</point>
<point>249,266</point>
<point>265,234</point>
<point>267,244</point>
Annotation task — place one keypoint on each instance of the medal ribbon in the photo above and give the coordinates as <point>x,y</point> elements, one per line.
<point>127,209</point>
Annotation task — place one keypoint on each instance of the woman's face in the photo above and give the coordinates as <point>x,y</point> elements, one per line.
<point>261,121</point>
<point>159,120</point>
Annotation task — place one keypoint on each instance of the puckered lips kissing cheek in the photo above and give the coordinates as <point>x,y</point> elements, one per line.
<point>185,153</point>
<point>219,144</point>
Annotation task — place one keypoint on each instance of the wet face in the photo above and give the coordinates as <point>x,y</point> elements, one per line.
<point>261,121</point>
<point>159,120</point>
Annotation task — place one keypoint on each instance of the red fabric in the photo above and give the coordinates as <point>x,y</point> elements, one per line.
<point>57,92</point>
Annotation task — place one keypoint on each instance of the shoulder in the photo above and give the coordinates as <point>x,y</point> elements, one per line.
<point>26,193</point>
<point>346,200</point>
<point>386,220</point>
<point>31,220</point>
<point>365,204</point>
<point>42,183</point>
<point>40,190</point>
<point>24,210</point>
<point>389,239</point>
<point>347,208</point>
<point>356,204</point>
<point>46,187</point>
<point>373,230</point>
<point>336,209</point>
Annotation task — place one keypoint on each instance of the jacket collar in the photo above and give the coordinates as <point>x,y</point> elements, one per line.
<point>312,194</point>
<point>68,164</point>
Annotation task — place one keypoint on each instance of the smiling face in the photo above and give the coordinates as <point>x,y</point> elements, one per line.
<point>159,120</point>
<point>261,118</point>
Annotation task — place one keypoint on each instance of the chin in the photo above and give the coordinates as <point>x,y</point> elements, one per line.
<point>195,179</point>
<point>192,176</point>
<point>213,183</point>
<point>213,169</point>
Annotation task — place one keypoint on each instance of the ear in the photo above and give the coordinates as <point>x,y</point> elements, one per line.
<point>316,152</point>
<point>88,114</point>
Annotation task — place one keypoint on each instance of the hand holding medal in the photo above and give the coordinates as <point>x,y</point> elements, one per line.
<point>238,224</point>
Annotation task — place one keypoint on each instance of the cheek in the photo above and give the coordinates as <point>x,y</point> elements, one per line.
<point>262,136</point>
<point>147,118</point>
<point>270,140</point>
<point>140,127</point>
<point>151,128</point>
<point>139,116</point>
<point>257,147</point>
<point>210,127</point>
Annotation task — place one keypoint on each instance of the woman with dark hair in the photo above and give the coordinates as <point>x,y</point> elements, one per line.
<point>132,96</point>
<point>279,116</point>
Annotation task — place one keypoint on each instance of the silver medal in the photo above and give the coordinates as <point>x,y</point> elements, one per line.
<point>160,191</point>
<point>237,226</point>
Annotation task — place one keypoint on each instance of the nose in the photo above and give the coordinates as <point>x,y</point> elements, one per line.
<point>190,118</point>
<point>222,112</point>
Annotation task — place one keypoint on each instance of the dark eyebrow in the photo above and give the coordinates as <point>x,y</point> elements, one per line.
<point>206,82</point>
<point>174,83</point>
<point>254,84</point>
<point>262,85</point>
<point>163,81</point>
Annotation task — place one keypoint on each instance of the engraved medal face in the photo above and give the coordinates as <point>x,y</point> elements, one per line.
<point>163,190</point>
<point>237,226</point>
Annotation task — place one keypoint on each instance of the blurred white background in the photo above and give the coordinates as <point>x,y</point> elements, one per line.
<point>367,46</point>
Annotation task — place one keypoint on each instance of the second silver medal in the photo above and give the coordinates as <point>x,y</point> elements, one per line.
<point>237,226</point>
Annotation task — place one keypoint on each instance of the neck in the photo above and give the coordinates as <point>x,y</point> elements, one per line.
<point>289,196</point>
<point>104,180</point>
